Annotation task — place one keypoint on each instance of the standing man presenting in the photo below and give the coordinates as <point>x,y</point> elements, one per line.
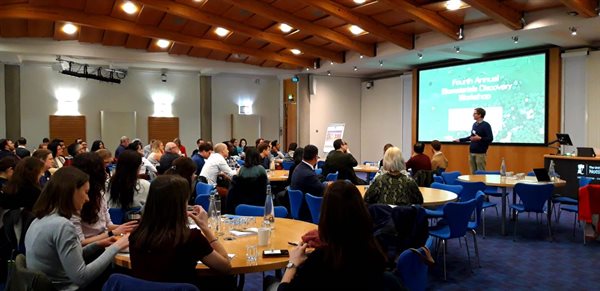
<point>480,139</point>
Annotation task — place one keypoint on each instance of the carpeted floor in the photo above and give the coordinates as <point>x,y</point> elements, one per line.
<point>531,262</point>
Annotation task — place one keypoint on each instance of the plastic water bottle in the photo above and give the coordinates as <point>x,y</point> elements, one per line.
<point>272,164</point>
<point>503,168</point>
<point>211,210</point>
<point>269,217</point>
<point>551,171</point>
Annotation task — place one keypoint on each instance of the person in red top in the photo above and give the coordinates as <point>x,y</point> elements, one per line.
<point>418,161</point>
<point>181,147</point>
<point>163,247</point>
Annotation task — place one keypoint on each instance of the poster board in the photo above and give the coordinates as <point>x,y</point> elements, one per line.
<point>334,131</point>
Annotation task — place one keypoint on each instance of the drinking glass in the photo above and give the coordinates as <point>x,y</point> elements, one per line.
<point>251,254</point>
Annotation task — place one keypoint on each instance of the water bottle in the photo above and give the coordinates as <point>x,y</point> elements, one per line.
<point>272,164</point>
<point>211,210</point>
<point>269,217</point>
<point>551,171</point>
<point>503,168</point>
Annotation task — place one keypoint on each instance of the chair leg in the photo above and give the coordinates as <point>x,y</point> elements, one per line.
<point>497,214</point>
<point>556,217</point>
<point>444,251</point>
<point>476,248</point>
<point>574,223</point>
<point>558,213</point>
<point>516,222</point>
<point>483,220</point>
<point>468,253</point>
<point>549,227</point>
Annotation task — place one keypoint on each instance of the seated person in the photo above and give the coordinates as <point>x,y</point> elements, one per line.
<point>250,184</point>
<point>23,189</point>
<point>125,190</point>
<point>418,161</point>
<point>169,252</point>
<point>216,164</point>
<point>306,180</point>
<point>265,154</point>
<point>171,153</point>
<point>199,158</point>
<point>385,148</point>
<point>438,160</point>
<point>341,160</point>
<point>52,244</point>
<point>349,257</point>
<point>393,186</point>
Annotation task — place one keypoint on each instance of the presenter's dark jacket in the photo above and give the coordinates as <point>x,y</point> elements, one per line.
<point>484,130</point>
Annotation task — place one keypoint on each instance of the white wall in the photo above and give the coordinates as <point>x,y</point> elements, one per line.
<point>574,99</point>
<point>593,99</point>
<point>229,90</point>
<point>2,104</point>
<point>381,116</point>
<point>39,81</point>
<point>336,100</point>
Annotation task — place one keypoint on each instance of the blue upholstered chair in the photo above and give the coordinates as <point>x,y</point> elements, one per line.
<point>296,198</point>
<point>456,222</point>
<point>533,199</point>
<point>314,206</point>
<point>241,163</point>
<point>122,282</point>
<point>490,190</point>
<point>203,200</point>
<point>564,200</point>
<point>474,224</point>
<point>470,189</point>
<point>450,177</point>
<point>117,215</point>
<point>412,270</point>
<point>332,177</point>
<point>203,188</point>
<point>253,210</point>
<point>287,165</point>
<point>438,212</point>
<point>438,179</point>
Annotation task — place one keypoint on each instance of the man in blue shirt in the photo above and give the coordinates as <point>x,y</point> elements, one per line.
<point>480,139</point>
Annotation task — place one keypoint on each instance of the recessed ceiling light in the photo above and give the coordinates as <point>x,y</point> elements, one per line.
<point>457,48</point>
<point>453,4</point>
<point>573,30</point>
<point>285,28</point>
<point>381,63</point>
<point>296,51</point>
<point>355,68</point>
<point>360,1</point>
<point>328,73</point>
<point>222,32</point>
<point>163,43</point>
<point>129,7</point>
<point>308,69</point>
<point>356,30</point>
<point>420,55</point>
<point>69,28</point>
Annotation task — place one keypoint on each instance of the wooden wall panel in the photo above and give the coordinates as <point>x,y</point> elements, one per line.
<point>67,128</point>
<point>163,128</point>
<point>290,124</point>
<point>518,158</point>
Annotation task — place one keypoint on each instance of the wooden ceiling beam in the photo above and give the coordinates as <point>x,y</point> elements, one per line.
<point>427,17</point>
<point>365,22</point>
<point>26,11</point>
<point>499,12</point>
<point>585,8</point>
<point>280,15</point>
<point>193,14</point>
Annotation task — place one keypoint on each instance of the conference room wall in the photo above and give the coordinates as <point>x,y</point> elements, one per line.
<point>39,82</point>
<point>381,116</point>
<point>2,104</point>
<point>593,99</point>
<point>574,99</point>
<point>336,100</point>
<point>228,91</point>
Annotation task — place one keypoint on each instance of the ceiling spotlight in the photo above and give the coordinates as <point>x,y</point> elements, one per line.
<point>457,48</point>
<point>461,32</point>
<point>222,32</point>
<point>129,7</point>
<point>356,30</point>
<point>355,68</point>
<point>69,28</point>
<point>573,30</point>
<point>308,69</point>
<point>296,51</point>
<point>453,4</point>
<point>361,56</point>
<point>515,39</point>
<point>381,63</point>
<point>360,1</point>
<point>163,43</point>
<point>285,28</point>
<point>328,73</point>
<point>420,55</point>
<point>331,63</point>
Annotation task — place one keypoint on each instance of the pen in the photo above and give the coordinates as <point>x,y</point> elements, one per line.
<point>292,243</point>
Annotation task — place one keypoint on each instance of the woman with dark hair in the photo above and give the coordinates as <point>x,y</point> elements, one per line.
<point>57,152</point>
<point>184,167</point>
<point>249,186</point>
<point>163,247</point>
<point>46,157</point>
<point>97,145</point>
<point>125,189</point>
<point>24,187</point>
<point>242,146</point>
<point>53,247</point>
<point>181,147</point>
<point>147,167</point>
<point>234,151</point>
<point>93,222</point>
<point>349,257</point>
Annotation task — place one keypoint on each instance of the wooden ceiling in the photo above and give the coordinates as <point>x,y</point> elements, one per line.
<point>320,28</point>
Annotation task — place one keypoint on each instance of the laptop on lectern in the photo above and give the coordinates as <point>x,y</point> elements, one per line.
<point>585,152</point>
<point>542,175</point>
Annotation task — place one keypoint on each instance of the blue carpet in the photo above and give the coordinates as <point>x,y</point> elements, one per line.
<point>531,262</point>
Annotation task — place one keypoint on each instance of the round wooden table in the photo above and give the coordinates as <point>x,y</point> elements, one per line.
<point>286,230</point>
<point>366,169</point>
<point>509,182</point>
<point>278,175</point>
<point>431,196</point>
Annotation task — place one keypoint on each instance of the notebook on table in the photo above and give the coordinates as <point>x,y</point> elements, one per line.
<point>542,175</point>
<point>585,152</point>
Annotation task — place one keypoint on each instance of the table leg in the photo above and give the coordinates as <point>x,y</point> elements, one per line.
<point>504,198</point>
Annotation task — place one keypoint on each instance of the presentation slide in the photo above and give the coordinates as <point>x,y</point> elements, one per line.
<point>511,90</point>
